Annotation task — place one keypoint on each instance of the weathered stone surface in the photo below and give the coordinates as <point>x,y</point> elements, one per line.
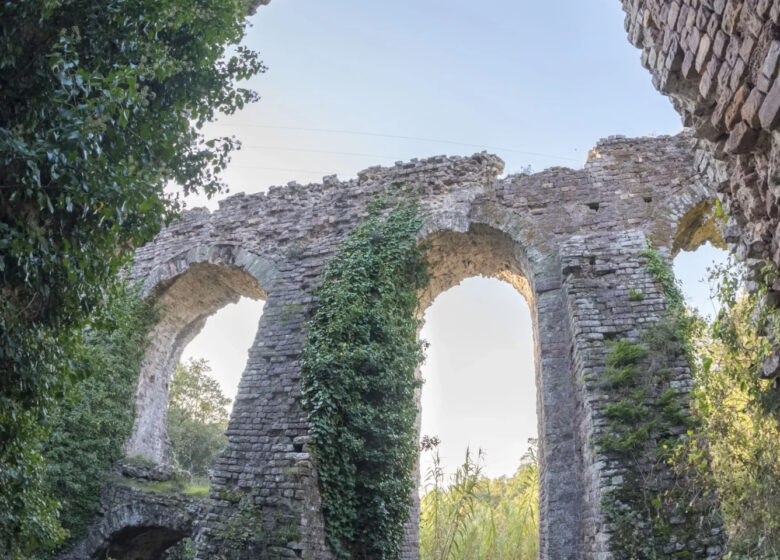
<point>737,51</point>
<point>568,240</point>
<point>741,139</point>
<point>136,525</point>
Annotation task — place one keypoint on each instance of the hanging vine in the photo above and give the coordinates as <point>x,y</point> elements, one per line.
<point>359,383</point>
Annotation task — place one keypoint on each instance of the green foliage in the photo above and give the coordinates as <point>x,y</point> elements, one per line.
<point>732,402</point>
<point>474,517</point>
<point>101,106</point>
<point>184,550</point>
<point>664,275</point>
<point>359,383</point>
<point>635,295</point>
<point>88,429</point>
<point>28,514</point>
<point>197,417</point>
<point>197,487</point>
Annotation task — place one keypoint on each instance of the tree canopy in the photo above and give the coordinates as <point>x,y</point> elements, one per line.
<point>197,417</point>
<point>101,106</point>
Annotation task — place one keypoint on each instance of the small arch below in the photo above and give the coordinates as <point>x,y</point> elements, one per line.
<point>140,543</point>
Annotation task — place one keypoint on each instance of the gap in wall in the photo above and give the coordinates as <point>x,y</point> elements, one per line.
<point>479,383</point>
<point>691,269</point>
<point>224,342</point>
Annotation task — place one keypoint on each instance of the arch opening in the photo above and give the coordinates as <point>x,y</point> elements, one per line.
<point>698,226</point>
<point>141,543</point>
<point>185,302</point>
<point>204,387</point>
<point>476,277</point>
<point>698,246</point>
<point>480,394</point>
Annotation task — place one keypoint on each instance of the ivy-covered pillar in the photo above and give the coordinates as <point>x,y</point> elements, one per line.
<point>630,336</point>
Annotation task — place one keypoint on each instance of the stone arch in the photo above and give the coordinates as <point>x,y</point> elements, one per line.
<point>136,525</point>
<point>577,264</point>
<point>698,226</point>
<point>688,219</point>
<point>487,251</point>
<point>481,251</point>
<point>144,542</point>
<point>188,289</point>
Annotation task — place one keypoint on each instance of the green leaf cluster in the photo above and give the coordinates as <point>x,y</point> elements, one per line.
<point>88,428</point>
<point>737,410</point>
<point>101,107</point>
<point>197,417</point>
<point>359,383</point>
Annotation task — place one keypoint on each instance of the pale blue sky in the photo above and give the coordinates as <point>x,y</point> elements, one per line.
<point>535,82</point>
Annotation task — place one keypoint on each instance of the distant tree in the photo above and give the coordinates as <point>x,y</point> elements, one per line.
<point>197,417</point>
<point>101,106</point>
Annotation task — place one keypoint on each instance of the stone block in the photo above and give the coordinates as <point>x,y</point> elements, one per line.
<point>720,44</point>
<point>751,107</point>
<point>769,114</point>
<point>769,66</point>
<point>703,52</point>
<point>741,139</point>
<point>708,79</point>
<point>746,49</point>
<point>731,15</point>
<point>732,114</point>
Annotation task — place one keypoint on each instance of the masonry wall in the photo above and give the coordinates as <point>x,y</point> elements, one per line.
<point>524,229</point>
<point>719,63</point>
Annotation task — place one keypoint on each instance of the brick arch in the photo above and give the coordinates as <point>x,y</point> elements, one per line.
<point>571,240</point>
<point>136,525</point>
<point>485,250</point>
<point>188,288</point>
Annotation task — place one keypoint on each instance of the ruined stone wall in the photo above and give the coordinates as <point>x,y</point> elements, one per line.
<point>566,239</point>
<point>133,524</point>
<point>719,62</point>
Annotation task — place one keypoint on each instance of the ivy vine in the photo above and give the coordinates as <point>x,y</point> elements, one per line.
<point>359,383</point>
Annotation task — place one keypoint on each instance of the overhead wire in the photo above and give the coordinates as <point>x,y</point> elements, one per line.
<point>332,152</point>
<point>393,136</point>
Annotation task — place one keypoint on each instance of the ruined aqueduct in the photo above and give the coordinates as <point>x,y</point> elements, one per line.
<point>568,240</point>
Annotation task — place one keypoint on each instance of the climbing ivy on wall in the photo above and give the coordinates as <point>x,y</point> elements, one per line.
<point>649,506</point>
<point>359,383</point>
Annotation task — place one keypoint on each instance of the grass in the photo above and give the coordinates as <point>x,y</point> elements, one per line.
<point>197,487</point>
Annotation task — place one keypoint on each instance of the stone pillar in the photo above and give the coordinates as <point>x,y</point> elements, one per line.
<point>267,468</point>
<point>560,508</point>
<point>600,272</point>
